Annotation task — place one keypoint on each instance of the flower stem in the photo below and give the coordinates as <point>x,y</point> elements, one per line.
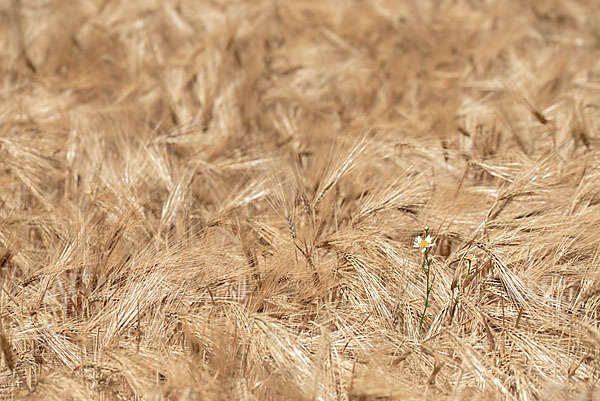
<point>428,286</point>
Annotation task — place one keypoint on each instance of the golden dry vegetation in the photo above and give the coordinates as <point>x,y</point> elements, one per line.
<point>217,200</point>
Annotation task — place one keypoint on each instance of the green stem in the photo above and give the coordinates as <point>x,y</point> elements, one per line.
<point>429,286</point>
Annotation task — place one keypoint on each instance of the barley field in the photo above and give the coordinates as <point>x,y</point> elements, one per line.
<point>320,200</point>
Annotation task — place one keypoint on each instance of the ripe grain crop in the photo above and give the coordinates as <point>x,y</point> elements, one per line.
<point>218,200</point>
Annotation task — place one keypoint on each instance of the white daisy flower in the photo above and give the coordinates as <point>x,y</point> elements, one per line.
<point>471,258</point>
<point>423,243</point>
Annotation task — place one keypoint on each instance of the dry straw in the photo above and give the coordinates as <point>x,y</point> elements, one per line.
<point>216,200</point>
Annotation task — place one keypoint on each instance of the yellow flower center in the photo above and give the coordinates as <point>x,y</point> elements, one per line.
<point>423,243</point>
<point>470,256</point>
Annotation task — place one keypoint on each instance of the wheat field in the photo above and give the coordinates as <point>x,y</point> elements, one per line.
<point>218,200</point>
